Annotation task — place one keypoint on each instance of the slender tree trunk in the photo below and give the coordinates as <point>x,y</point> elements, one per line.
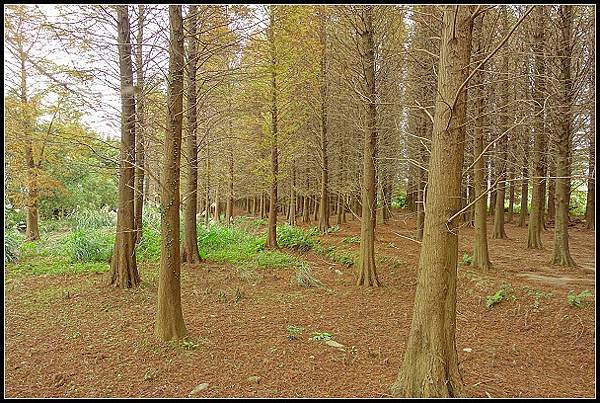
<point>324,213</point>
<point>534,238</point>
<point>32,232</point>
<point>169,320</point>
<point>499,232</point>
<point>123,268</point>
<point>562,142</point>
<point>190,252</point>
<point>551,212</point>
<point>480,244</point>
<point>272,233</point>
<point>590,206</point>
<point>141,124</point>
<point>367,274</point>
<point>430,365</point>
<point>525,182</point>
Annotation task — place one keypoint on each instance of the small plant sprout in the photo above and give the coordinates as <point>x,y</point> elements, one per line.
<point>578,300</point>
<point>294,331</point>
<point>466,259</point>
<point>321,336</point>
<point>499,296</point>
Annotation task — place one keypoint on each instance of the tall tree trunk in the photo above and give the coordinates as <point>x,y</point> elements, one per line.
<point>551,211</point>
<point>169,321</point>
<point>324,213</point>
<point>292,210</point>
<point>430,365</point>
<point>190,252</point>
<point>123,268</point>
<point>141,124</point>
<point>367,274</point>
<point>534,238</point>
<point>32,231</point>
<point>499,232</point>
<point>272,232</point>
<point>562,144</point>
<point>480,244</point>
<point>590,206</point>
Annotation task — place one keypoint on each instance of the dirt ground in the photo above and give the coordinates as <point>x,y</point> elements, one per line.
<point>73,336</point>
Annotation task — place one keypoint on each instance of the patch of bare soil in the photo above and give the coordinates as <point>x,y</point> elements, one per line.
<point>73,336</point>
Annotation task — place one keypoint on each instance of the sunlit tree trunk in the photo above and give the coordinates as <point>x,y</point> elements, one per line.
<point>141,124</point>
<point>190,252</point>
<point>169,322</point>
<point>123,268</point>
<point>430,365</point>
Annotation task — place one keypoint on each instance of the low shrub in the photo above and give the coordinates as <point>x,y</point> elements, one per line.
<point>578,300</point>
<point>88,245</point>
<point>90,219</point>
<point>289,236</point>
<point>12,246</point>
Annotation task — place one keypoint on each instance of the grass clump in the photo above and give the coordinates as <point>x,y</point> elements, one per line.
<point>466,259</point>
<point>273,259</point>
<point>305,278</point>
<point>221,243</point>
<point>578,300</point>
<point>88,245</point>
<point>351,239</point>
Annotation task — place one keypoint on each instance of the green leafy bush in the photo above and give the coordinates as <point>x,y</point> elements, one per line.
<point>289,236</point>
<point>148,249</point>
<point>89,219</point>
<point>578,300</point>
<point>499,296</point>
<point>399,201</point>
<point>12,245</point>
<point>88,245</point>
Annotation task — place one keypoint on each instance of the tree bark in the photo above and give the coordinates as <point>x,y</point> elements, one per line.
<point>534,238</point>
<point>430,365</point>
<point>272,227</point>
<point>141,124</point>
<point>367,274</point>
<point>123,267</point>
<point>324,206</point>
<point>562,143</point>
<point>169,322</point>
<point>480,244</point>
<point>190,252</point>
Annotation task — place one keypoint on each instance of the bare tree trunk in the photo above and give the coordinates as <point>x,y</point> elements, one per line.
<point>499,232</point>
<point>561,255</point>
<point>272,233</point>
<point>141,124</point>
<point>590,205</point>
<point>169,320</point>
<point>32,232</point>
<point>534,239</point>
<point>430,365</point>
<point>324,213</point>
<point>480,244</point>
<point>190,252</point>
<point>123,268</point>
<point>367,274</point>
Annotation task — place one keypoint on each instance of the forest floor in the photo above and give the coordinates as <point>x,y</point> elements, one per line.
<point>73,336</point>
